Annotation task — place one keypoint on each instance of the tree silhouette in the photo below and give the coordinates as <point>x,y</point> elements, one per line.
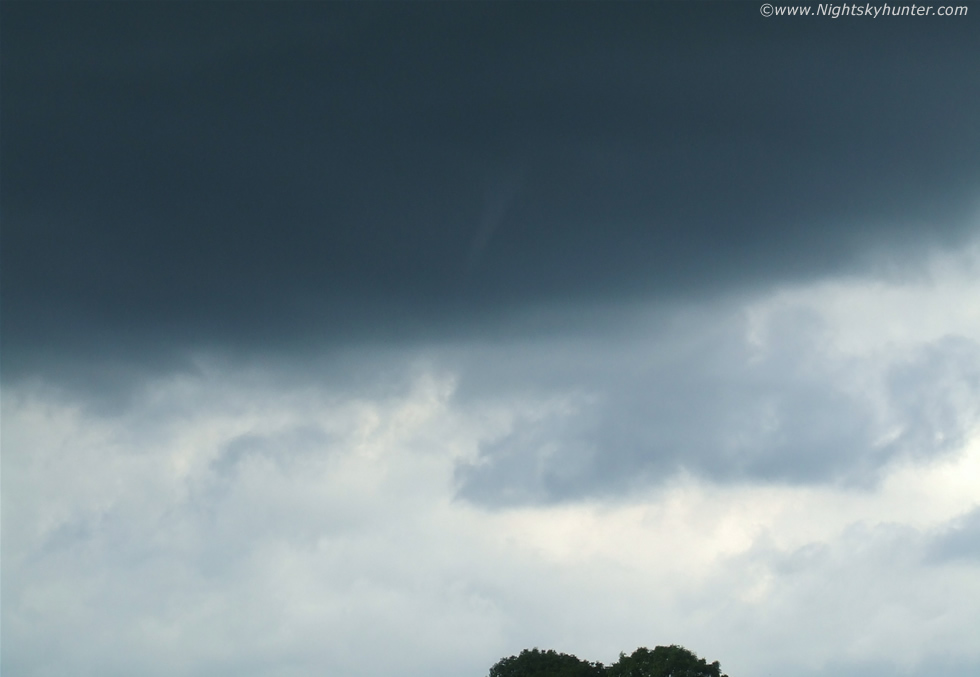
<point>663,661</point>
<point>537,663</point>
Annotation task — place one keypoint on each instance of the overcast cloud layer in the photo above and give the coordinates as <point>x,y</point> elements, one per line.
<point>370,338</point>
<point>269,174</point>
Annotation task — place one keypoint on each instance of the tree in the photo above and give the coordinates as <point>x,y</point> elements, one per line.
<point>663,661</point>
<point>537,663</point>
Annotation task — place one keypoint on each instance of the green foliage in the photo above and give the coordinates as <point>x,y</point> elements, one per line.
<point>663,661</point>
<point>536,663</point>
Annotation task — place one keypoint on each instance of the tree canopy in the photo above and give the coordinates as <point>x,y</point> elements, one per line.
<point>663,661</point>
<point>537,663</point>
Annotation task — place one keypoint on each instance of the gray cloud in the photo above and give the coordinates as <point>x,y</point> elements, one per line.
<point>960,542</point>
<point>931,665</point>
<point>706,401</point>
<point>317,174</point>
<point>228,524</point>
<point>432,327</point>
<point>280,446</point>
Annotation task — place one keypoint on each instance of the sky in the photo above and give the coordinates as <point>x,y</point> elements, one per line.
<point>379,338</point>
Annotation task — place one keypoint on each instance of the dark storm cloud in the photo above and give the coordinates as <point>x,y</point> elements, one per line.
<point>258,175</point>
